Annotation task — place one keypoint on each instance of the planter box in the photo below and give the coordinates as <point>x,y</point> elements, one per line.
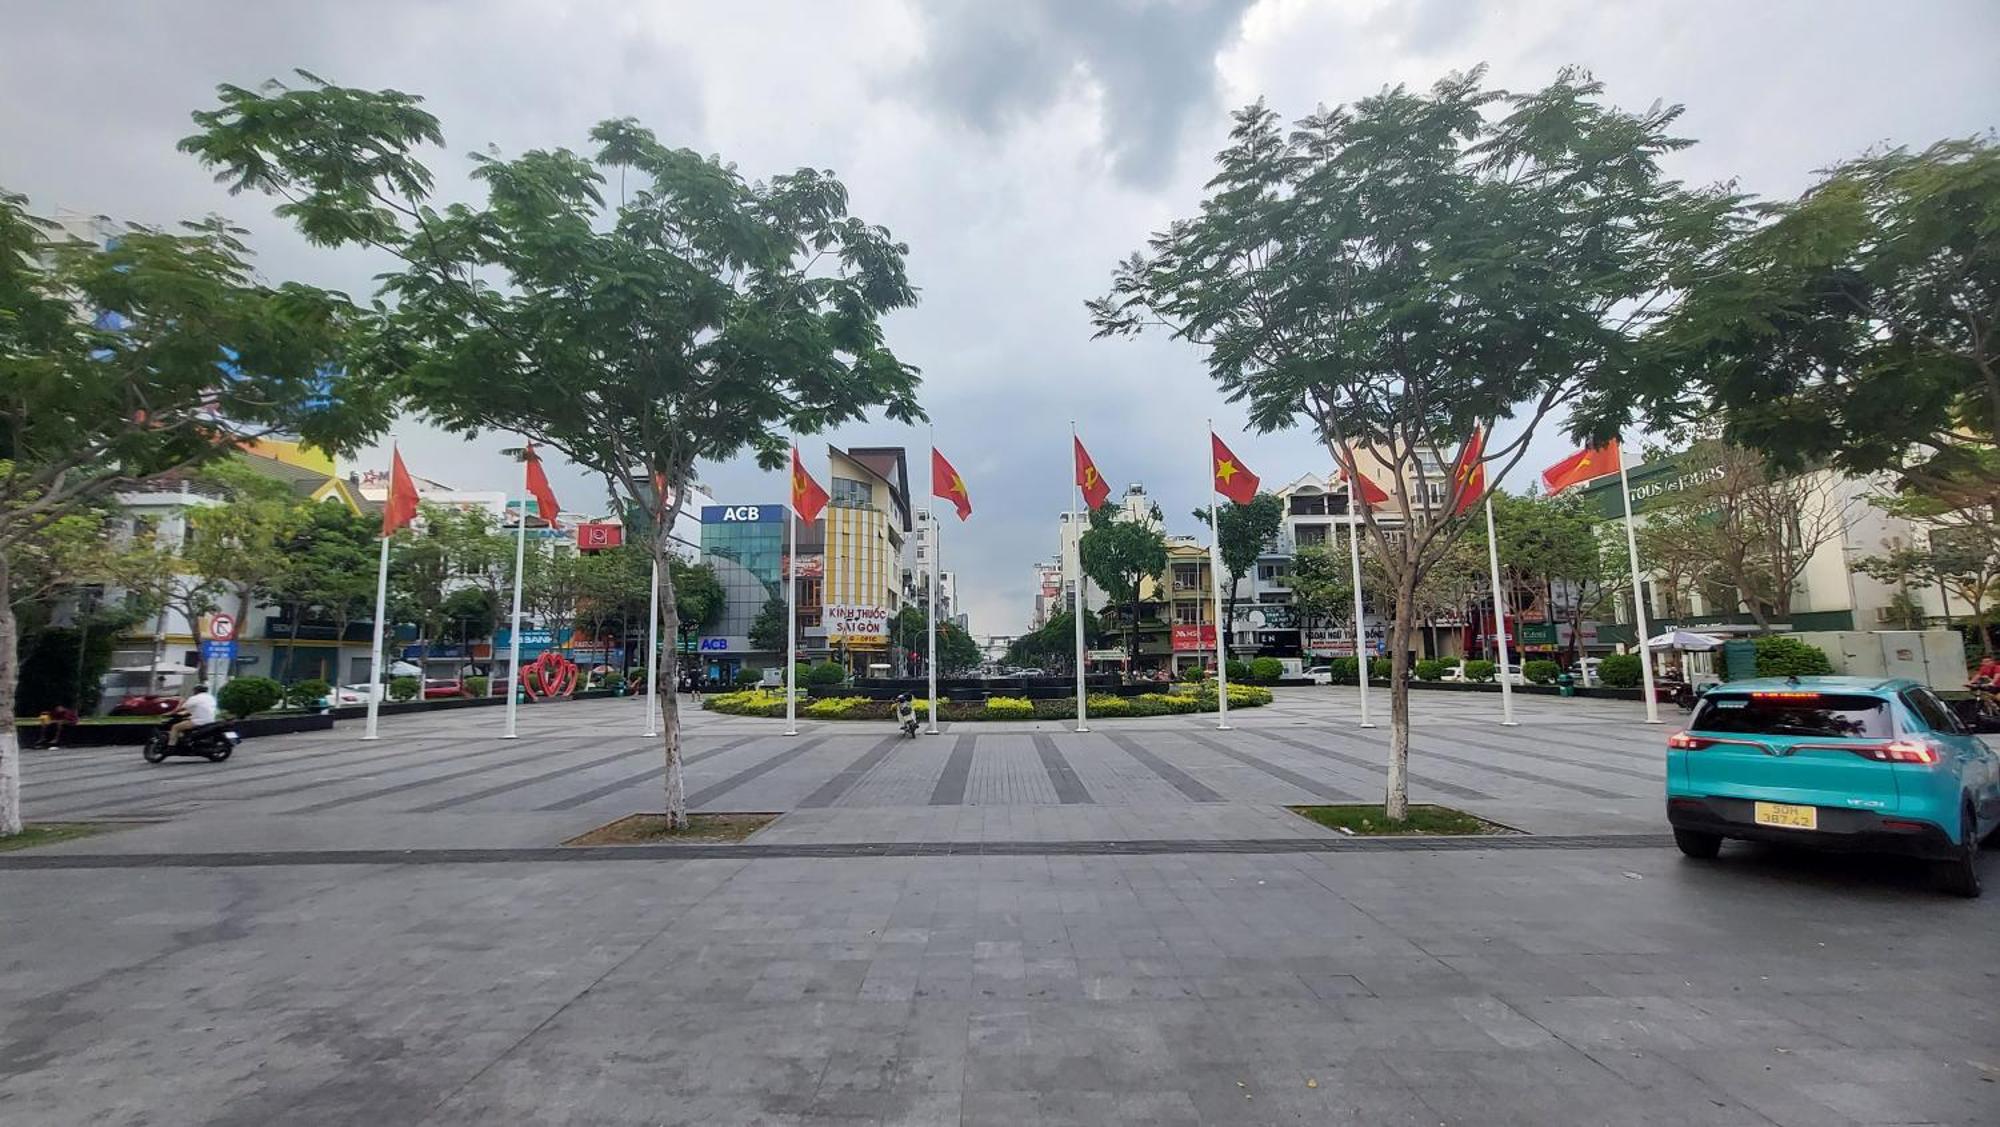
<point>132,735</point>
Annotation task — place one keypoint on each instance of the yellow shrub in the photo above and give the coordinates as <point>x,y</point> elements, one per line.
<point>1010,708</point>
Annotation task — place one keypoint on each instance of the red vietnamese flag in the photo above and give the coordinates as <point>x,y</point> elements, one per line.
<point>946,483</point>
<point>808,499</point>
<point>538,484</point>
<point>1095,490</point>
<point>401,507</point>
<point>1371,494</point>
<point>1468,473</point>
<point>1232,478</point>
<point>1582,466</point>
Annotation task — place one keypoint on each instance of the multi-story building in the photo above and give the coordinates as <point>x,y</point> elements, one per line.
<point>868,520</point>
<point>1050,597</point>
<point>1832,593</point>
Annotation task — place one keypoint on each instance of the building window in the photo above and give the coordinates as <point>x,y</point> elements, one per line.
<point>1309,505</point>
<point>1187,614</point>
<point>851,494</point>
<point>1186,578</point>
<point>1271,571</point>
<point>1312,536</point>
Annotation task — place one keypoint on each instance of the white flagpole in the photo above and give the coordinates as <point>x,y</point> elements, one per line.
<point>653,656</point>
<point>380,686</point>
<point>1360,627</point>
<point>514,623</point>
<point>1638,594</point>
<point>1499,618</point>
<point>792,608</point>
<point>1215,585</point>
<point>930,518</point>
<point>1076,608</point>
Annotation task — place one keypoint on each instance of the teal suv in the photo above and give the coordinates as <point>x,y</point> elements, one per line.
<point>1835,763</point>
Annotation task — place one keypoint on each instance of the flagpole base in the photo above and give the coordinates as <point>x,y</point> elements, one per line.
<point>1510,723</point>
<point>1083,727</point>
<point>1225,727</point>
<point>371,737</point>
<point>791,731</point>
<point>509,736</point>
<point>1366,724</point>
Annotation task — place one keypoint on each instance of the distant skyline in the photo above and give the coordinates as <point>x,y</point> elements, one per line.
<point>1020,149</point>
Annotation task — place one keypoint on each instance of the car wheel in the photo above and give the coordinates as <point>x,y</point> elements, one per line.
<point>154,753</point>
<point>1700,846</point>
<point>1960,875</point>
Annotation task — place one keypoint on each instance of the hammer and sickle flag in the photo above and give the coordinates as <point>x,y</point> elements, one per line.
<point>808,499</point>
<point>1582,466</point>
<point>1095,491</point>
<point>946,483</point>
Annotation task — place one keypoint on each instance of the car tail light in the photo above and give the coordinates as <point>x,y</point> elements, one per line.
<point>1683,742</point>
<point>1899,751</point>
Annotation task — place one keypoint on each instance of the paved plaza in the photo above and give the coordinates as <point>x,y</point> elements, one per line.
<point>1005,924</point>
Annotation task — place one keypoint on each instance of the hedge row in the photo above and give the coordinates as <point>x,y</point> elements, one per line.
<point>766,702</point>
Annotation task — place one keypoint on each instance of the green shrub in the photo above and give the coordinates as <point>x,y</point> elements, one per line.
<point>1239,671</point>
<point>1781,656</point>
<point>1193,673</point>
<point>1104,704</point>
<point>1265,671</point>
<point>1430,669</point>
<point>478,686</point>
<point>247,696</point>
<point>828,707</point>
<point>1010,708</point>
<point>1344,671</point>
<point>1479,670</point>
<point>749,678</point>
<point>1620,671</point>
<point>307,693</point>
<point>826,673</point>
<point>1541,671</point>
<point>1380,669</point>
<point>404,688</point>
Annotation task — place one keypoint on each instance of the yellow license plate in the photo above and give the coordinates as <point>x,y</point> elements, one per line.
<point>1786,815</point>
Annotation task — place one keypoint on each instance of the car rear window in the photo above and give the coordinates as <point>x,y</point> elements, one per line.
<point>1831,715</point>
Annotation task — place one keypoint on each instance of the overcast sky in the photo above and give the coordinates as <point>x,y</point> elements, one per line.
<point>1019,147</point>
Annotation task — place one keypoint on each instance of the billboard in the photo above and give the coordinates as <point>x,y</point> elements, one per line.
<point>1338,641</point>
<point>1191,637</point>
<point>855,623</point>
<point>743,514</point>
<point>594,536</point>
<point>810,567</point>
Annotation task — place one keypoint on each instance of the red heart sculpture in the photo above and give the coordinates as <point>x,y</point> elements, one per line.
<point>550,675</point>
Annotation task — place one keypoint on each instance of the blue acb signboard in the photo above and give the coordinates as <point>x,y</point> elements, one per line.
<point>742,514</point>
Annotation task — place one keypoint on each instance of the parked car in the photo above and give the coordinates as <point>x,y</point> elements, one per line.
<point>442,688</point>
<point>145,704</point>
<point>1320,674</point>
<point>1849,763</point>
<point>351,694</point>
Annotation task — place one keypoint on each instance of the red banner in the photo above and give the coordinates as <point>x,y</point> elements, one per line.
<point>1191,637</point>
<point>597,537</point>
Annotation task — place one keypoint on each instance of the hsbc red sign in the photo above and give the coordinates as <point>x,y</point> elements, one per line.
<point>1191,637</point>
<point>596,537</point>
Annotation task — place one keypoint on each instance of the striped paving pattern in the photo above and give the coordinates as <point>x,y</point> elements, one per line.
<point>1581,766</point>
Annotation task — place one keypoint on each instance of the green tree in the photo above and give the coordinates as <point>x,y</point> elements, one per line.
<point>699,597</point>
<point>327,571</point>
<point>957,653</point>
<point>243,541</point>
<point>1119,555</point>
<point>1053,646</point>
<point>1402,272</point>
<point>767,630</point>
<point>148,354</point>
<point>699,314</point>
<point>1857,325</point>
<point>1322,583</point>
<point>1247,532</point>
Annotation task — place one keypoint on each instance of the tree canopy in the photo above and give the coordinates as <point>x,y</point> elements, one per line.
<point>1248,531</point>
<point>1399,273</point>
<point>696,314</point>
<point>1119,555</point>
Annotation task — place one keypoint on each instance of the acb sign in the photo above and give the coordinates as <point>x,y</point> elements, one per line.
<point>742,514</point>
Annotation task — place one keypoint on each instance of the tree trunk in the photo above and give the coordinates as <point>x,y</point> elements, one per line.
<point>235,665</point>
<point>1132,639</point>
<point>667,677</point>
<point>1396,802</point>
<point>10,733</point>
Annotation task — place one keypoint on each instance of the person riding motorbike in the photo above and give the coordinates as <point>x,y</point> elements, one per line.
<point>906,714</point>
<point>199,709</point>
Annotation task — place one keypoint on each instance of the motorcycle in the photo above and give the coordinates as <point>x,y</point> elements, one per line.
<point>213,742</point>
<point>906,719</point>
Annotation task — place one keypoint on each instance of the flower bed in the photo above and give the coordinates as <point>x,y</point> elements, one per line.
<point>771,703</point>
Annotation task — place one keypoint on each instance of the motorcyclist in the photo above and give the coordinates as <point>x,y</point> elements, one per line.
<point>906,711</point>
<point>198,709</point>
